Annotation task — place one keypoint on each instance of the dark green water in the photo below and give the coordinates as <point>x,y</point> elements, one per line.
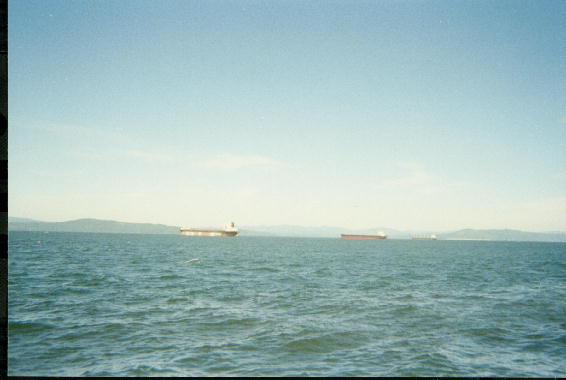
<point>129,305</point>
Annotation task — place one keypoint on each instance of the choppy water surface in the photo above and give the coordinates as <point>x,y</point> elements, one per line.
<point>129,305</point>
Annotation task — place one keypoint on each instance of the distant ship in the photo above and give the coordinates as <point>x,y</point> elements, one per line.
<point>229,230</point>
<point>430,237</point>
<point>380,235</point>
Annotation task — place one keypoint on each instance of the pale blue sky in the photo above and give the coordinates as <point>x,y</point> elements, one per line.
<point>403,114</point>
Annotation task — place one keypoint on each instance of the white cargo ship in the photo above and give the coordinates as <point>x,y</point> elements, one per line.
<point>229,230</point>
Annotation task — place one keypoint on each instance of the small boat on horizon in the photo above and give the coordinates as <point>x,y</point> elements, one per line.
<point>429,237</point>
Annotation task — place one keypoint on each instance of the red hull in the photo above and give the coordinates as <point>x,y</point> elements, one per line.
<point>371,237</point>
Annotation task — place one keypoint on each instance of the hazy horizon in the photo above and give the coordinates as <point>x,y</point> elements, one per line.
<point>411,115</point>
<point>423,230</point>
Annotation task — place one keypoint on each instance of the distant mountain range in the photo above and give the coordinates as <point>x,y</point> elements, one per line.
<point>465,234</point>
<point>512,235</point>
<point>322,231</point>
<point>89,225</point>
<point>111,226</point>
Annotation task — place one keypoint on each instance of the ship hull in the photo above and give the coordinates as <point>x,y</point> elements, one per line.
<point>194,232</point>
<point>363,237</point>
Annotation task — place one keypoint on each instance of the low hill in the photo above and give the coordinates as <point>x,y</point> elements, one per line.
<point>322,231</point>
<point>508,235</point>
<point>103,226</point>
<point>90,225</point>
<point>13,219</point>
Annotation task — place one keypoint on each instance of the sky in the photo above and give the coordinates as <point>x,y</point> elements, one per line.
<point>406,114</point>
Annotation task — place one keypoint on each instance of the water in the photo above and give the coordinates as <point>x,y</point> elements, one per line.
<point>129,305</point>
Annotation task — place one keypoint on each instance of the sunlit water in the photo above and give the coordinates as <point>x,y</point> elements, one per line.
<point>130,305</point>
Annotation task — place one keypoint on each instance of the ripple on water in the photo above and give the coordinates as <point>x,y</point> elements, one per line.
<point>325,343</point>
<point>280,307</point>
<point>29,327</point>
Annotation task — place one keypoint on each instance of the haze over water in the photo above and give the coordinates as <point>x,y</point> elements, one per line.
<point>130,305</point>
